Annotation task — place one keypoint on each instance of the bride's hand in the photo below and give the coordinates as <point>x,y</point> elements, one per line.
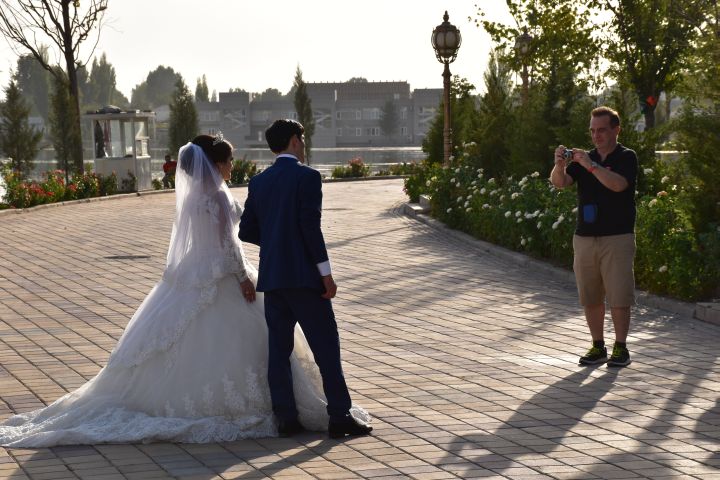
<point>248,290</point>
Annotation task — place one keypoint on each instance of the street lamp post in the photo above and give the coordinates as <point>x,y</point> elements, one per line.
<point>522,47</point>
<point>446,41</point>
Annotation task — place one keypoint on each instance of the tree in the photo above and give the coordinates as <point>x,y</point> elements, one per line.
<point>214,97</point>
<point>64,128</point>
<point>651,41</point>
<point>26,24</point>
<point>156,90</point>
<point>358,80</point>
<point>495,111</point>
<point>18,140</point>
<point>201,90</point>
<point>267,95</point>
<point>183,117</point>
<point>389,119</point>
<point>101,88</point>
<point>303,107</point>
<point>34,82</point>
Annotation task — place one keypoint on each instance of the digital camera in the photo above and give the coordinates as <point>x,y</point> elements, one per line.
<point>568,154</point>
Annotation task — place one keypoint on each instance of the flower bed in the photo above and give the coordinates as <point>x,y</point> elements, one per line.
<point>528,214</point>
<point>20,193</point>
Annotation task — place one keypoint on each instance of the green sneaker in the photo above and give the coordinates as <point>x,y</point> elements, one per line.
<point>594,356</point>
<point>620,357</point>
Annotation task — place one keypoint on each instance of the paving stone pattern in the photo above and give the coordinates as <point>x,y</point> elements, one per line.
<point>468,363</point>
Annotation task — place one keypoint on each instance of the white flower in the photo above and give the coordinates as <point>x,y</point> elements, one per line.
<point>529,239</point>
<point>664,179</point>
<point>673,188</point>
<point>522,187</point>
<point>451,158</point>
<point>507,214</point>
<point>514,195</point>
<point>519,220</point>
<point>449,210</point>
<point>539,225</point>
<point>652,202</point>
<point>494,192</point>
<point>502,198</point>
<point>428,183</point>
<point>457,170</point>
<point>663,269</point>
<point>492,180</point>
<point>523,242</point>
<point>535,175</point>
<point>466,204</point>
<point>482,190</point>
<point>647,171</point>
<point>560,218</point>
<point>518,213</point>
<point>574,210</point>
<point>452,180</point>
<point>555,225</point>
<point>468,209</point>
<point>459,199</point>
<point>529,215</point>
<point>485,205</point>
<point>474,182</point>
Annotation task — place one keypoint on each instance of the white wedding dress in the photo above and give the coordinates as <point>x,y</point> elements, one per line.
<point>191,365</point>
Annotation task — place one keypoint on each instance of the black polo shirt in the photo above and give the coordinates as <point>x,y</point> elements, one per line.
<point>614,211</point>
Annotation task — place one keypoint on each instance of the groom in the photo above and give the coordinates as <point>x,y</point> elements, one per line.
<point>282,216</point>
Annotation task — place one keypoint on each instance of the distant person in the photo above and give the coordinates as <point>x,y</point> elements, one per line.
<point>191,365</point>
<point>604,240</point>
<point>169,168</point>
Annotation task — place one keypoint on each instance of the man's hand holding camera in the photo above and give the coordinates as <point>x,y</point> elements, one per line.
<point>563,157</point>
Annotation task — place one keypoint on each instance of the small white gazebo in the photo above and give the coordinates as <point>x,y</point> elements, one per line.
<point>120,144</point>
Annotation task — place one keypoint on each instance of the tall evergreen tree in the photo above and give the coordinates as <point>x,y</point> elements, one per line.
<point>183,117</point>
<point>64,128</point>
<point>102,85</point>
<point>18,140</point>
<point>201,90</point>
<point>303,107</point>
<point>34,82</point>
<point>389,119</point>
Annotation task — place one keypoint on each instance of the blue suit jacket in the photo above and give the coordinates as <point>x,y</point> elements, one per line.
<point>282,215</point>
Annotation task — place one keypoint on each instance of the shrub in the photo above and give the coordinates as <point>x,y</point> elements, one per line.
<point>242,171</point>
<point>354,169</point>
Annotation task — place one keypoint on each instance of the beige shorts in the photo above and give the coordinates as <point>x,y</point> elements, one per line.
<point>604,269</point>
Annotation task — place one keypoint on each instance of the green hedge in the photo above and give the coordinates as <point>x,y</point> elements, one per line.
<point>529,215</point>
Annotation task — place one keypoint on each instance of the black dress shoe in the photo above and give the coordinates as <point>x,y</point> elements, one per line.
<point>347,425</point>
<point>287,428</point>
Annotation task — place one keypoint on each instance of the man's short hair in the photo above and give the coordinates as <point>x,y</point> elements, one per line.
<point>607,111</point>
<point>168,157</point>
<point>278,134</point>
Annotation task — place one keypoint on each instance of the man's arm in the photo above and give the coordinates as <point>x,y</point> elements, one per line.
<point>249,226</point>
<point>610,180</point>
<point>559,177</point>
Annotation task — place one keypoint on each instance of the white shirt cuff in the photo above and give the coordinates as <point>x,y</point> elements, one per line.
<point>324,268</point>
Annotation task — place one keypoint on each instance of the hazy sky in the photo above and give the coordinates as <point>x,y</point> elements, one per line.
<point>255,44</point>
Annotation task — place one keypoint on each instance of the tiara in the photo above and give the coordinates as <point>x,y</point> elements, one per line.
<point>218,138</point>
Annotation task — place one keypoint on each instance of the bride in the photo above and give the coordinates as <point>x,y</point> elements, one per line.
<point>191,365</point>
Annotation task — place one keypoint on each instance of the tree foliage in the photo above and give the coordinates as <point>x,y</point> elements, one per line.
<point>64,128</point>
<point>389,119</point>
<point>18,140</point>
<point>66,24</point>
<point>101,86</point>
<point>157,89</point>
<point>183,117</point>
<point>303,107</point>
<point>34,82</point>
<point>202,93</point>
<point>651,41</point>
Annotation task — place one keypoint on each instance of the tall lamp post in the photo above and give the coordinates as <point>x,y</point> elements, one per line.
<point>446,41</point>
<point>522,48</point>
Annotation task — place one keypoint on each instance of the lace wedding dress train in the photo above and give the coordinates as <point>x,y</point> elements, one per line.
<point>191,365</point>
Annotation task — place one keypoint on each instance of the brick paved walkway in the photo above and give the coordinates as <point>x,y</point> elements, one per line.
<point>467,363</point>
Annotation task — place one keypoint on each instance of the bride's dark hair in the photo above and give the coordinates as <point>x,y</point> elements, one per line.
<point>216,152</point>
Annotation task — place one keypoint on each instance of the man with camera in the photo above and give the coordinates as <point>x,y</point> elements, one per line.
<point>604,240</point>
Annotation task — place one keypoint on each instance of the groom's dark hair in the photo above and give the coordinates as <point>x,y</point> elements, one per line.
<point>278,134</point>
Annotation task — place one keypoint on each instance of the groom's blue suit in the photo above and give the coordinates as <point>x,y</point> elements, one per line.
<point>282,215</point>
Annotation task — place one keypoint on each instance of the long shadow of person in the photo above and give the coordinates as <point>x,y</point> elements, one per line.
<point>540,425</point>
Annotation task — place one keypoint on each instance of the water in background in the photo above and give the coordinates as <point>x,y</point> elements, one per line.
<point>323,159</point>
